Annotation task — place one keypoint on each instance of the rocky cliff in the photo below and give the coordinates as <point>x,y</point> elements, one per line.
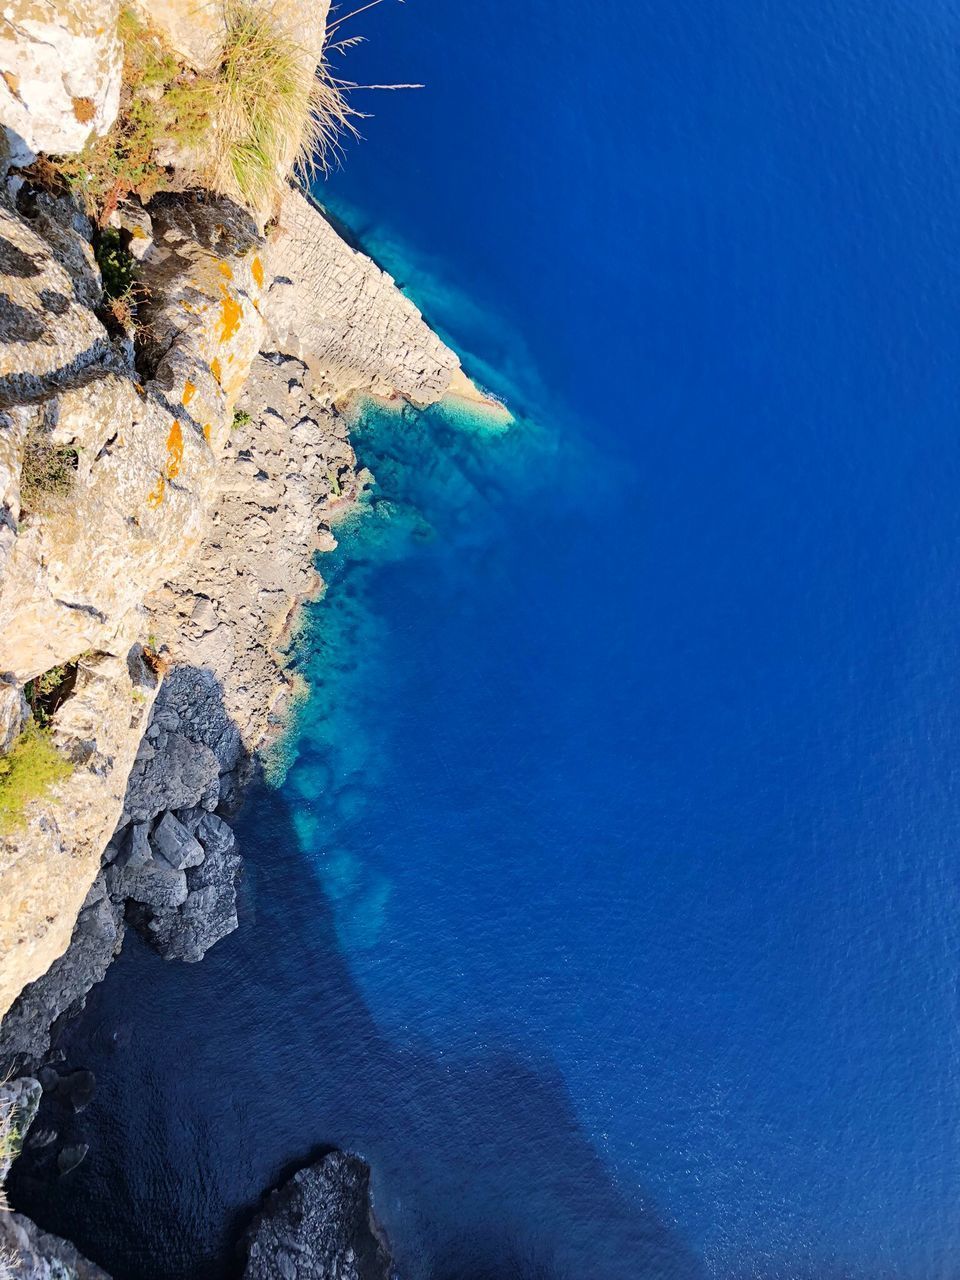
<point>171,458</point>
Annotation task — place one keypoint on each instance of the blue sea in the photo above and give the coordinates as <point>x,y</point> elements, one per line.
<point>609,903</point>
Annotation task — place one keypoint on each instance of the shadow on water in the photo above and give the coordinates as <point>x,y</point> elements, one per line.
<point>215,1082</point>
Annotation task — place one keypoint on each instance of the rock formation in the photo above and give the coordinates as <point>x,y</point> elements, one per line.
<point>191,469</point>
<point>319,1226</point>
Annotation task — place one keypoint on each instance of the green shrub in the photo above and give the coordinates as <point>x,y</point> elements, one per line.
<point>240,419</point>
<point>118,267</point>
<point>27,772</point>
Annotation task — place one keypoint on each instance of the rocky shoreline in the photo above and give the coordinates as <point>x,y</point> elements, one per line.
<point>193,467</point>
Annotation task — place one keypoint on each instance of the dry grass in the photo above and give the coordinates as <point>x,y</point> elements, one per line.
<point>240,127</point>
<point>47,475</point>
<point>272,110</point>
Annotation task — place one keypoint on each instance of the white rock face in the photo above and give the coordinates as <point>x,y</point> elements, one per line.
<point>60,65</point>
<point>335,309</point>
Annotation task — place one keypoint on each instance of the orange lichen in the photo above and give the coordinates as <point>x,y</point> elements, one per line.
<point>231,313</point>
<point>174,451</point>
<point>216,369</point>
<point>256,270</point>
<point>155,496</point>
<point>225,269</point>
<point>206,432</point>
<point>188,392</point>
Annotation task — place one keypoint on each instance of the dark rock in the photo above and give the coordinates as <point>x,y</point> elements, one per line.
<point>41,1256</point>
<point>172,841</point>
<point>49,1078</point>
<point>135,848</point>
<point>157,885</point>
<point>40,1138</point>
<point>70,1157</point>
<point>319,1226</point>
<point>26,1029</point>
<point>76,1088</point>
<point>214,834</point>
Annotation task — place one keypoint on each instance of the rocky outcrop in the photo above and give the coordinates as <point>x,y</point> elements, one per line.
<point>36,1255</point>
<point>345,317</point>
<point>74,570</point>
<point>319,1226</point>
<point>26,1252</point>
<point>60,66</point>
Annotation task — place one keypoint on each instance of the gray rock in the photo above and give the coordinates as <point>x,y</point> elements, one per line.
<point>182,774</point>
<point>26,1030</point>
<point>71,1156</point>
<point>208,914</point>
<point>214,834</point>
<point>319,1226</point>
<point>40,1138</point>
<point>41,1256</point>
<point>156,885</point>
<point>172,841</point>
<point>135,851</point>
<point>19,1100</point>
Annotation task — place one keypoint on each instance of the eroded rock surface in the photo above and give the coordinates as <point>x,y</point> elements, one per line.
<point>337,310</point>
<point>319,1226</point>
<point>60,63</point>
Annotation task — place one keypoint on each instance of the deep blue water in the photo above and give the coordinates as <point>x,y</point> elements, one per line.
<point>610,904</point>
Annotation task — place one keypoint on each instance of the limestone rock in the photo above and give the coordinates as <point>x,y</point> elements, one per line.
<point>319,1226</point>
<point>48,867</point>
<point>97,935</point>
<point>60,65</point>
<point>334,308</point>
<point>196,29</point>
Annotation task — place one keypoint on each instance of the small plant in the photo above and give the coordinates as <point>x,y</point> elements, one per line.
<point>27,772</point>
<point>240,419</point>
<point>48,472</point>
<point>118,267</point>
<point>49,691</point>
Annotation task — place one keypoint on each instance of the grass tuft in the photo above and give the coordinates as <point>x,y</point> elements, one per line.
<point>27,772</point>
<point>272,110</point>
<point>48,472</point>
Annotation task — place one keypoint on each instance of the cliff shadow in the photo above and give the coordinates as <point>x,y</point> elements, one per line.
<point>215,1081</point>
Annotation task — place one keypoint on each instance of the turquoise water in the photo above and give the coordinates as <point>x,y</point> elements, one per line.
<point>609,904</point>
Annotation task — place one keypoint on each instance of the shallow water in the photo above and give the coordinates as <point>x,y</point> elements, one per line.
<point>610,903</point>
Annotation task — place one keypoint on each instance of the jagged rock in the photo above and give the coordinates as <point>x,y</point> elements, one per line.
<point>215,835</point>
<point>345,317</point>
<point>172,841</point>
<point>25,1031</point>
<point>70,1157</point>
<point>59,74</point>
<point>181,774</point>
<point>37,1139</point>
<point>19,1100</point>
<point>76,1088</point>
<point>156,885</point>
<point>319,1226</point>
<point>41,1256</point>
<point>208,913</point>
<point>135,850</point>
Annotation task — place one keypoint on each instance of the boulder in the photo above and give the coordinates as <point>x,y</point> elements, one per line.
<point>60,67</point>
<point>319,1226</point>
<point>172,841</point>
